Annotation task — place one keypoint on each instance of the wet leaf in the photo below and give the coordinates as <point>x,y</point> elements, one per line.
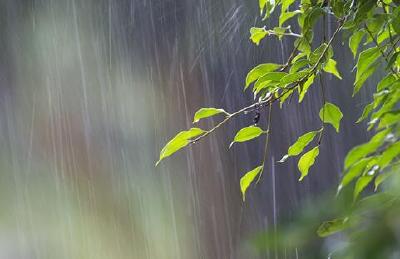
<point>207,112</point>
<point>331,227</point>
<point>365,149</point>
<point>365,66</point>
<point>248,178</point>
<point>355,171</point>
<point>355,40</point>
<point>259,71</point>
<point>361,183</point>
<point>247,133</point>
<point>286,16</point>
<point>306,161</point>
<point>388,155</point>
<point>257,34</point>
<point>293,78</point>
<point>367,110</point>
<point>305,87</point>
<point>330,67</point>
<point>331,114</point>
<point>300,144</point>
<point>181,140</point>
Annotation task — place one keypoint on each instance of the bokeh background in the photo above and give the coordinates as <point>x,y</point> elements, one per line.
<point>90,91</point>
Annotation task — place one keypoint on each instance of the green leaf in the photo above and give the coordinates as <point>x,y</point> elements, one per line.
<point>359,82</point>
<point>331,114</point>
<point>298,64</point>
<point>259,71</point>
<point>267,79</point>
<point>248,178</point>
<point>355,171</point>
<point>389,118</point>
<point>269,7</point>
<point>311,18</point>
<point>317,53</point>
<point>286,16</point>
<point>285,96</point>
<point>207,112</point>
<point>355,40</point>
<point>383,176</point>
<point>293,78</point>
<point>361,183</point>
<point>366,60</point>
<point>286,4</point>
<point>181,140</point>
<point>388,155</point>
<point>367,110</point>
<point>306,161</point>
<point>305,87</point>
<point>330,67</point>
<point>247,133</point>
<point>262,4</point>
<point>365,149</point>
<point>257,34</point>
<point>386,82</point>
<point>298,147</point>
<point>331,227</point>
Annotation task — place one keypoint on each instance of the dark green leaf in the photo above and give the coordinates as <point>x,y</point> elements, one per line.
<point>331,227</point>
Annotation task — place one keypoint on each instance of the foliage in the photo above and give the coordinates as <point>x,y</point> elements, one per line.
<point>371,28</point>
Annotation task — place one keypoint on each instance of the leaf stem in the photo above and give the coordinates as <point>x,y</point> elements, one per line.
<point>266,140</point>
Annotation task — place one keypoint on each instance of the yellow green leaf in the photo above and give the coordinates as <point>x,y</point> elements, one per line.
<point>331,114</point>
<point>181,140</point>
<point>247,133</point>
<point>300,144</point>
<point>306,161</point>
<point>207,112</point>
<point>248,178</point>
<point>257,34</point>
<point>330,67</point>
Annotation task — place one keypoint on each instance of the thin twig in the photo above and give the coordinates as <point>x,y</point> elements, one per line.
<point>266,140</point>
<point>323,109</point>
<point>271,99</point>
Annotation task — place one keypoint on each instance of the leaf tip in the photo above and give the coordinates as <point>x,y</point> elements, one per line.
<point>157,163</point>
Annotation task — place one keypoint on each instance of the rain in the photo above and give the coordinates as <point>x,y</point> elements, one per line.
<point>92,90</point>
